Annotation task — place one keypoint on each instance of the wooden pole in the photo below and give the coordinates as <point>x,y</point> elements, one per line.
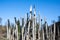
<point>47,30</point>
<point>8,30</point>
<point>22,28</point>
<point>28,29</point>
<point>54,30</point>
<point>13,34</point>
<point>43,29</point>
<point>43,34</point>
<point>33,30</point>
<point>46,27</point>
<point>51,32</point>
<point>22,33</point>
<point>39,28</point>
<point>9,34</point>
<point>17,31</point>
<point>34,21</point>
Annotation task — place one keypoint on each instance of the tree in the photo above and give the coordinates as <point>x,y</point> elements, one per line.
<point>0,20</point>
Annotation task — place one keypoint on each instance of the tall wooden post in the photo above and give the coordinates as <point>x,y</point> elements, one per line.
<point>34,21</point>
<point>22,33</point>
<point>22,28</point>
<point>33,30</point>
<point>46,27</point>
<point>39,27</point>
<point>13,34</point>
<point>54,30</point>
<point>31,18</point>
<point>8,33</point>
<point>28,30</point>
<point>16,27</point>
<point>51,32</point>
<point>17,31</point>
<point>43,34</point>
<point>47,30</point>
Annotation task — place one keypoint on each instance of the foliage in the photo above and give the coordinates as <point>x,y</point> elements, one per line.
<point>18,23</point>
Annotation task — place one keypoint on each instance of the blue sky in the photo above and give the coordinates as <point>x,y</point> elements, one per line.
<point>18,8</point>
